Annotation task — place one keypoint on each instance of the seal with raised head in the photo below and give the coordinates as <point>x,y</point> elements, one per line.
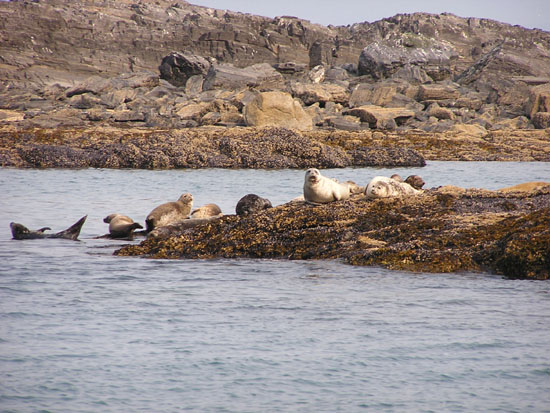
<point>121,226</point>
<point>19,231</point>
<point>206,211</point>
<point>384,187</point>
<point>251,204</point>
<point>319,189</point>
<point>170,212</point>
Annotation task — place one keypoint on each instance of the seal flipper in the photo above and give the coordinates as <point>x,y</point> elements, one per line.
<point>44,229</point>
<point>73,231</point>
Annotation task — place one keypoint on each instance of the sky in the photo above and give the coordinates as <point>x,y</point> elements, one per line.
<point>527,13</point>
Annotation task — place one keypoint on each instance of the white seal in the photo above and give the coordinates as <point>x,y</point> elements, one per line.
<point>384,187</point>
<point>320,189</point>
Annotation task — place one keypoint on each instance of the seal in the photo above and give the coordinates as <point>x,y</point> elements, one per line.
<point>121,226</point>
<point>319,189</point>
<point>384,187</point>
<point>526,187</point>
<point>169,213</point>
<point>19,231</point>
<point>206,211</point>
<point>413,180</point>
<point>252,204</point>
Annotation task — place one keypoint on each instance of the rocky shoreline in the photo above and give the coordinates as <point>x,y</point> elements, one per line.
<point>268,147</point>
<point>448,229</point>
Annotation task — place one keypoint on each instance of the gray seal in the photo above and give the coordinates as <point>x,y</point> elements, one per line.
<point>19,231</point>
<point>121,226</point>
<point>170,212</point>
<point>251,204</point>
<point>384,187</point>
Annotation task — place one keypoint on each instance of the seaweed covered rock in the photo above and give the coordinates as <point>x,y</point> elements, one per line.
<point>444,230</point>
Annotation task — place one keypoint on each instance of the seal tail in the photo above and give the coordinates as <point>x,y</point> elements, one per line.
<point>73,231</point>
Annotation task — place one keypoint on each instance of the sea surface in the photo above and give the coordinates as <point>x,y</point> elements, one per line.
<point>84,331</point>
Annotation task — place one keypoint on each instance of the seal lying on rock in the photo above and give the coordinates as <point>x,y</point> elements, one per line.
<point>413,180</point>
<point>319,189</point>
<point>206,211</point>
<point>526,187</point>
<point>19,231</point>
<point>170,212</point>
<point>384,187</point>
<point>251,204</point>
<point>121,226</point>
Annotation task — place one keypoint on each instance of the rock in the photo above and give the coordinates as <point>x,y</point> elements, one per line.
<point>539,100</point>
<point>440,113</point>
<point>381,118</point>
<point>541,120</point>
<point>448,230</point>
<point>312,93</point>
<point>315,54</point>
<point>317,74</point>
<point>194,85</point>
<point>289,67</point>
<point>436,92</point>
<point>178,67</point>
<point>227,76</point>
<point>276,109</point>
<point>382,59</point>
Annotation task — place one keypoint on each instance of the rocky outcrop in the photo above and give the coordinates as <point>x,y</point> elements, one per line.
<point>276,109</point>
<point>443,230</point>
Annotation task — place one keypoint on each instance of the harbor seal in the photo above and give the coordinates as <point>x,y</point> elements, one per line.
<point>206,211</point>
<point>121,226</point>
<point>413,180</point>
<point>251,204</point>
<point>319,189</point>
<point>525,187</point>
<point>169,213</point>
<point>19,231</point>
<point>384,187</point>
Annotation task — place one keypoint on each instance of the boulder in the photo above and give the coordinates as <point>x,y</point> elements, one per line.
<point>436,92</point>
<point>440,113</point>
<point>276,109</point>
<point>311,93</point>
<point>227,76</point>
<point>381,59</point>
<point>178,67</point>
<point>317,74</point>
<point>539,100</point>
<point>541,120</point>
<point>381,118</point>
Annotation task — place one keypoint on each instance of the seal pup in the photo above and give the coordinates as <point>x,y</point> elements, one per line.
<point>19,231</point>
<point>206,211</point>
<point>384,187</point>
<point>252,204</point>
<point>319,189</point>
<point>170,212</point>
<point>121,226</point>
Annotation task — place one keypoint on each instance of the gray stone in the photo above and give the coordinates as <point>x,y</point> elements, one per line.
<point>178,67</point>
<point>227,76</point>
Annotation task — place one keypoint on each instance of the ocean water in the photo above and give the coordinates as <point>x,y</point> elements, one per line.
<point>84,331</point>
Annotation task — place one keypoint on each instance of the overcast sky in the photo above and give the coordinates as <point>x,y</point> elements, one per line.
<point>527,13</point>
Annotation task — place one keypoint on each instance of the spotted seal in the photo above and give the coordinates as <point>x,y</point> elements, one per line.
<point>413,180</point>
<point>170,212</point>
<point>384,187</point>
<point>121,226</point>
<point>19,231</point>
<point>319,189</point>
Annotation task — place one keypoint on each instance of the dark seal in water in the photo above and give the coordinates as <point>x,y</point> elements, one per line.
<point>19,231</point>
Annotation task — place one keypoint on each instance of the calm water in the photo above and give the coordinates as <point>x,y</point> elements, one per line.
<point>84,331</point>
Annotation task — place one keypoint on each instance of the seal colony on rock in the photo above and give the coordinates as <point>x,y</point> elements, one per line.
<point>19,231</point>
<point>121,226</point>
<point>170,212</point>
<point>384,187</point>
<point>319,189</point>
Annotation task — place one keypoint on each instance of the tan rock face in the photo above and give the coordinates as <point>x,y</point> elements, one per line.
<point>276,109</point>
